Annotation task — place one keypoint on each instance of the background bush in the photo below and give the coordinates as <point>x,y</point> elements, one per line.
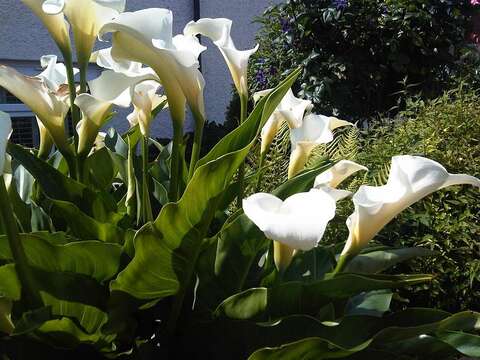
<point>365,56</point>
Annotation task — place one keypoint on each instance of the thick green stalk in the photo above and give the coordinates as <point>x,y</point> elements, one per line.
<point>342,263</point>
<point>83,78</point>
<point>72,88</point>
<point>241,170</point>
<point>146,208</point>
<point>197,144</point>
<point>74,165</point>
<point>24,271</point>
<point>175,160</point>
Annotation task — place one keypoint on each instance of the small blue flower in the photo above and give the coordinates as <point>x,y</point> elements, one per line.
<point>340,4</point>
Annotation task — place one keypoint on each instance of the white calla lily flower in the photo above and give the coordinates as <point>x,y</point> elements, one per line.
<point>298,223</point>
<point>46,141</point>
<point>109,89</point>
<point>104,59</point>
<point>290,110</point>
<point>218,30</point>
<point>49,106</point>
<point>86,18</point>
<point>5,131</point>
<point>55,77</point>
<point>145,36</point>
<point>54,74</point>
<point>145,101</point>
<point>314,130</point>
<point>55,24</point>
<point>337,174</point>
<point>411,179</point>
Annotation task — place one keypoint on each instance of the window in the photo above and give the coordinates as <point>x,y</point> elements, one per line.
<point>24,124</point>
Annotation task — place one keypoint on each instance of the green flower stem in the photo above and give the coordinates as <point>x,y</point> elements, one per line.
<point>146,207</point>
<point>197,143</point>
<point>75,113</point>
<point>175,160</point>
<point>342,263</point>
<point>241,170</point>
<point>83,78</point>
<point>24,271</point>
<point>74,166</point>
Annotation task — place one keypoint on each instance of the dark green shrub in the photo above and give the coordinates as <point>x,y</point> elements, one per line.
<point>363,56</point>
<point>446,130</point>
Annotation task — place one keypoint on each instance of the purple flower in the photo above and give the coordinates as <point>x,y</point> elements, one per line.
<point>261,79</point>
<point>285,23</point>
<point>340,4</point>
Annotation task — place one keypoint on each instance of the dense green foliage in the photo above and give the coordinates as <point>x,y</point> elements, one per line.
<point>363,57</point>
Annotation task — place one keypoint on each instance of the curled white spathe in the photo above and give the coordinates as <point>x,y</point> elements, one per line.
<point>338,173</point>
<point>298,222</point>
<point>411,179</point>
<point>110,88</point>
<point>86,18</point>
<point>290,110</point>
<point>145,36</point>
<point>315,130</point>
<point>218,30</point>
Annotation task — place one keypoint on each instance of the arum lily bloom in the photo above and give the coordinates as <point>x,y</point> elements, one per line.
<point>298,223</point>
<point>218,30</point>
<point>411,179</point>
<point>290,110</point>
<point>104,59</point>
<point>86,18</point>
<point>145,101</point>
<point>109,89</point>
<point>314,130</point>
<point>55,24</point>
<point>330,179</point>
<point>145,36</point>
<point>5,131</point>
<point>338,173</point>
<point>50,106</point>
<point>55,76</point>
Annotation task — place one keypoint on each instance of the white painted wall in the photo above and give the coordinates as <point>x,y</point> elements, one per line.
<point>23,41</point>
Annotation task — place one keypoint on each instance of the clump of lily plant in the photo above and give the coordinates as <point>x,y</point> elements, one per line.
<point>107,251</point>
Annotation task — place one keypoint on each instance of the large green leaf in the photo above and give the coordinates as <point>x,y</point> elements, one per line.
<point>72,279</point>
<point>64,332</point>
<point>166,251</point>
<point>414,340</point>
<point>9,284</point>
<point>60,187</point>
<point>86,227</point>
<point>307,349</point>
<point>373,303</point>
<point>264,304</point>
<point>96,259</point>
<point>379,260</point>
<point>100,169</point>
<point>465,343</point>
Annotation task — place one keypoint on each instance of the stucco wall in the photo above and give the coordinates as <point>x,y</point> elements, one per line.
<point>23,38</point>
